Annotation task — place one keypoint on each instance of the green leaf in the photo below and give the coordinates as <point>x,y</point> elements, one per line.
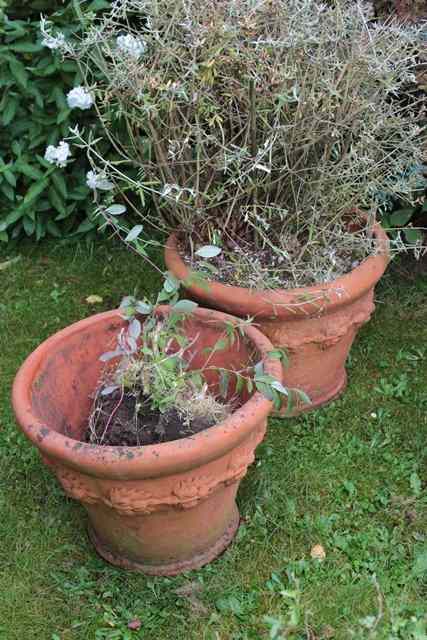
<point>35,190</point>
<point>290,403</point>
<point>259,368</point>
<point>85,226</point>
<point>208,251</point>
<point>401,217</point>
<point>29,225</point>
<point>303,396</point>
<point>220,344</point>
<point>59,182</point>
<point>19,72</point>
<point>67,212</point>
<point>116,209</point>
<point>134,233</point>
<point>16,148</point>
<point>9,111</point>
<point>53,229</point>
<point>413,235</point>
<point>279,354</point>
<point>171,283</point>
<point>46,71</point>
<point>415,483</point>
<point>56,201</point>
<point>10,177</point>
<point>80,193</point>
<point>144,308</point>
<point>29,170</point>
<point>8,191</point>
<point>69,66</point>
<point>26,47</point>
<point>40,230</point>
<point>10,219</point>
<point>60,99</point>
<point>265,389</point>
<point>4,237</point>
<point>97,5</point>
<point>197,280</point>
<point>63,115</point>
<point>224,380</point>
<point>185,306</point>
<point>37,95</point>
<point>240,381</point>
<point>278,386</point>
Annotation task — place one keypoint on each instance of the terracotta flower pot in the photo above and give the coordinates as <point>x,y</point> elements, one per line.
<point>317,325</point>
<point>164,508</point>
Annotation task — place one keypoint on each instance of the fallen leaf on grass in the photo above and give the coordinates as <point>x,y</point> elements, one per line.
<point>94,299</point>
<point>318,552</point>
<point>135,625</point>
<point>189,591</point>
<point>9,263</point>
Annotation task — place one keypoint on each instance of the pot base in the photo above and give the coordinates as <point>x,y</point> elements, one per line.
<point>171,568</point>
<point>316,404</point>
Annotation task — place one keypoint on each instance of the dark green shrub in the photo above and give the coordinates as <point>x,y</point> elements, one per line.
<point>36,198</point>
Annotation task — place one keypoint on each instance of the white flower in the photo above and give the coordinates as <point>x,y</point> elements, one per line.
<point>58,155</point>
<point>99,181</point>
<point>131,46</point>
<point>54,42</point>
<point>79,98</point>
<point>49,40</point>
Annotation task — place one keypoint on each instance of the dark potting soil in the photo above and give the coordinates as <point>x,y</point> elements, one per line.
<point>244,265</point>
<point>116,422</point>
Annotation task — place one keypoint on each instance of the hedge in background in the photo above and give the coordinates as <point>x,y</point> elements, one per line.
<point>37,199</point>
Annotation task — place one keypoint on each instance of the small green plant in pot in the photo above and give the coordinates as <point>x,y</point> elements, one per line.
<point>261,136</point>
<point>153,395</point>
<point>150,416</point>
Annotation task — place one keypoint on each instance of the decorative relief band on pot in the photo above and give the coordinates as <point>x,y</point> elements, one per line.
<point>143,497</point>
<point>329,329</point>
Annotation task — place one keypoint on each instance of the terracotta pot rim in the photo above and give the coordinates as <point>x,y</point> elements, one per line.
<point>289,303</point>
<point>150,460</point>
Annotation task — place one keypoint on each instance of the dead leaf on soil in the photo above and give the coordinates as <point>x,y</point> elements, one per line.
<point>189,591</point>
<point>9,263</point>
<point>135,625</point>
<point>318,552</point>
<point>94,299</point>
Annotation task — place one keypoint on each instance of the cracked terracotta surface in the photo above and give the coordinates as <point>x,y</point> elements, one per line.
<point>161,508</point>
<point>316,325</point>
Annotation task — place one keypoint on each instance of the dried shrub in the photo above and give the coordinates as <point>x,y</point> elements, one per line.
<point>265,122</point>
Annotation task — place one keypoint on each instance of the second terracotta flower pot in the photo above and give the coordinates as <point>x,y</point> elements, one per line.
<point>161,509</point>
<point>316,325</point>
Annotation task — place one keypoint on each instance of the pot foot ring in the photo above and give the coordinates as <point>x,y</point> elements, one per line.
<point>317,404</point>
<point>169,568</point>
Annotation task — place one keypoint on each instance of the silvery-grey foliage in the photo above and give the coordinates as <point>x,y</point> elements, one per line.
<point>267,121</point>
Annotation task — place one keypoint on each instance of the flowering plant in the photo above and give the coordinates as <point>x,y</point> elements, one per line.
<point>256,126</point>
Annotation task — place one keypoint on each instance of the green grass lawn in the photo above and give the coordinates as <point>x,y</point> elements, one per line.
<point>350,477</point>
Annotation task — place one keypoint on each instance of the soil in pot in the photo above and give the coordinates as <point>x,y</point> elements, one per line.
<point>242,263</point>
<point>122,419</point>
